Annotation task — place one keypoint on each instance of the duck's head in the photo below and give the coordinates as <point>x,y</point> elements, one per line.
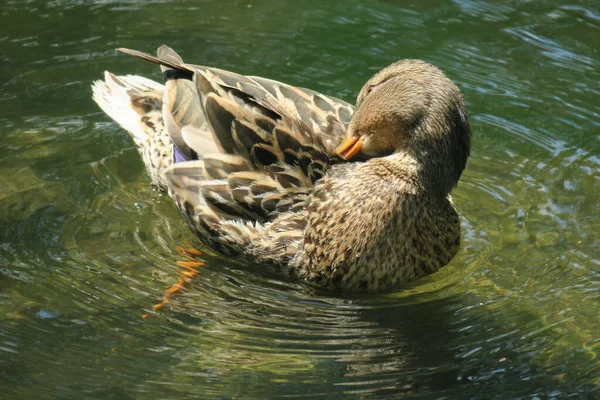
<point>411,108</point>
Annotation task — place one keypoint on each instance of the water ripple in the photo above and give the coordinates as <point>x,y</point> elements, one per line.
<point>557,54</point>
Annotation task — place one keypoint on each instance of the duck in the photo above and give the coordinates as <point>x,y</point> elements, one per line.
<point>347,197</point>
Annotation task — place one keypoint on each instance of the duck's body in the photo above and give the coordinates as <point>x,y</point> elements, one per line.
<point>266,171</point>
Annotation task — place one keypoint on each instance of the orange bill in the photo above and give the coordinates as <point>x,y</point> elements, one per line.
<point>350,147</point>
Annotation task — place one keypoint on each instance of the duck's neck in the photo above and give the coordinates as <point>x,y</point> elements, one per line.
<point>420,174</point>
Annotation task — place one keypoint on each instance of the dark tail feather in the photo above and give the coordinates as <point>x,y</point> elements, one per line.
<point>170,60</point>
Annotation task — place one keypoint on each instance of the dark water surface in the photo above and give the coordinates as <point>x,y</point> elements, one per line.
<point>87,245</point>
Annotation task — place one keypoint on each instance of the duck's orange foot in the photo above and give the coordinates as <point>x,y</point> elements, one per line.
<point>185,275</point>
<point>190,251</point>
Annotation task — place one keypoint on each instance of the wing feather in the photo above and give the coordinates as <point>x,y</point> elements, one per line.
<point>263,144</point>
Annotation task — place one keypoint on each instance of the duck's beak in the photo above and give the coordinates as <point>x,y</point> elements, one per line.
<point>349,147</point>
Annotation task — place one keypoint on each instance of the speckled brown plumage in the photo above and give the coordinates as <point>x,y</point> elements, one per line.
<point>136,104</point>
<point>350,198</point>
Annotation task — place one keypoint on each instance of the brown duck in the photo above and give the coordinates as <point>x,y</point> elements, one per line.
<point>345,197</point>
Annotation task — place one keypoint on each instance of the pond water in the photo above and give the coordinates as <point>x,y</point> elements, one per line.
<point>88,246</point>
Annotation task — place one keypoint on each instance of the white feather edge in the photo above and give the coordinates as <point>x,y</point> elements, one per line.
<point>113,96</point>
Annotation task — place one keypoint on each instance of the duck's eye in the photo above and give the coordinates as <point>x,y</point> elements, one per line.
<point>365,92</point>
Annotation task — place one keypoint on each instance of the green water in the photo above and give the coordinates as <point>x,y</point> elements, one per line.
<point>87,246</point>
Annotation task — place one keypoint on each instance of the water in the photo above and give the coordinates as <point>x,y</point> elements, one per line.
<point>87,246</point>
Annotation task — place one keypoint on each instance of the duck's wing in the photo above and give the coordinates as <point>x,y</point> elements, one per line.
<point>316,119</point>
<point>269,142</point>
